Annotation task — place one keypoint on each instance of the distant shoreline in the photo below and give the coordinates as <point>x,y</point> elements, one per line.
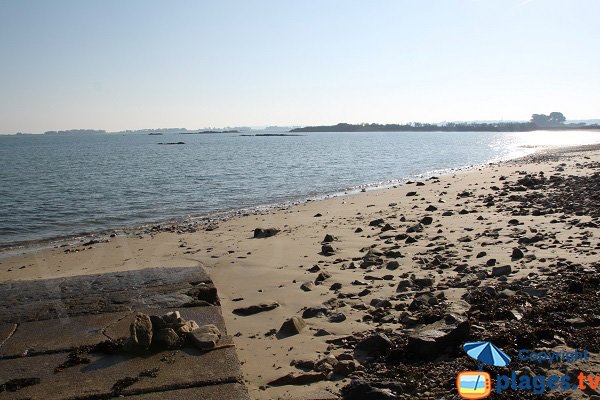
<point>453,127</point>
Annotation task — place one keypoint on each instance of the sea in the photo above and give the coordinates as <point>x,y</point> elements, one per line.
<point>67,185</point>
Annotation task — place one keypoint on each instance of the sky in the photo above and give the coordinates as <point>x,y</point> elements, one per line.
<point>134,64</point>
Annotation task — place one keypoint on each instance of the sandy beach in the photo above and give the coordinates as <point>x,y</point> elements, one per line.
<point>396,260</point>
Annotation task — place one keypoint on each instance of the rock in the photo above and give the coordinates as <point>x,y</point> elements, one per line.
<point>298,379</point>
<point>376,344</point>
<point>172,317</point>
<point>501,270</point>
<point>415,228</point>
<point>187,327</point>
<point>166,339</point>
<point>409,194</point>
<point>392,265</point>
<point>255,309</point>
<point>410,240</point>
<point>517,254</point>
<point>362,390</point>
<point>307,286</point>
<point>370,259</point>
<point>404,284</point>
<point>328,238</point>
<point>265,233</point>
<point>204,292</point>
<point>303,364</point>
<point>140,334</point>
<point>431,208</point>
<point>314,268</point>
<point>424,282</point>
<point>534,292</point>
<point>358,230</point>
<point>426,220</point>
<point>335,286</point>
<point>292,326</point>
<point>312,312</point>
<point>322,276</point>
<point>377,222</point>
<point>345,367</point>
<point>206,337</point>
<point>337,317</point>
<point>327,250</point>
<point>387,227</point>
<point>430,340</point>
<point>491,262</point>
<point>322,332</point>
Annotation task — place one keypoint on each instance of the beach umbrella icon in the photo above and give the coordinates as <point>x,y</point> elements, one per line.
<point>487,353</point>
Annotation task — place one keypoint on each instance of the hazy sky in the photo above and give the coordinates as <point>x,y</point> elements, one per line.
<point>129,64</point>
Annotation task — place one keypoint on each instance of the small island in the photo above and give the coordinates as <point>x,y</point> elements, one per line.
<point>553,121</point>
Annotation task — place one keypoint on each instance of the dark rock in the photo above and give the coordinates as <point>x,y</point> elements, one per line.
<point>426,220</point>
<point>166,339</point>
<point>255,309</point>
<point>265,233</point>
<point>344,367</point>
<point>387,227</point>
<point>431,340</point>
<point>431,208</point>
<point>517,254</point>
<point>307,286</point>
<point>392,265</point>
<point>204,292</point>
<point>312,312</point>
<point>411,194</point>
<point>415,228</point>
<point>376,344</point>
<point>501,270</point>
<point>377,222</point>
<point>424,282</point>
<point>335,286</point>
<point>362,390</point>
<point>292,326</point>
<point>327,250</point>
<point>298,379</point>
<point>323,276</point>
<point>328,238</point>
<point>337,317</point>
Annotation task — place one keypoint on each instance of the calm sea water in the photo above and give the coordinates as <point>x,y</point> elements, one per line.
<point>60,185</point>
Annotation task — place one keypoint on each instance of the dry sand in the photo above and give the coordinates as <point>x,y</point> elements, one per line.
<point>250,271</point>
